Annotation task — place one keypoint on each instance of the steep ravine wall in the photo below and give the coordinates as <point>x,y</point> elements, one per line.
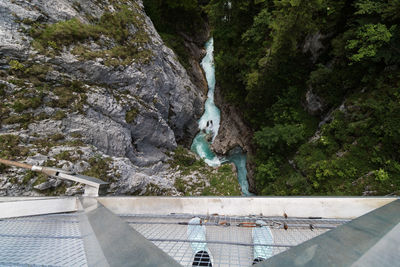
<point>234,132</point>
<point>79,97</point>
<point>89,104</point>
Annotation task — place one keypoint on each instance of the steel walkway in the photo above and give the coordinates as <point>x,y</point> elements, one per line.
<point>91,234</point>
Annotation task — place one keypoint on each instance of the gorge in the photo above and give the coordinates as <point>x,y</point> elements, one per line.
<point>307,95</point>
<point>209,125</point>
<point>93,89</point>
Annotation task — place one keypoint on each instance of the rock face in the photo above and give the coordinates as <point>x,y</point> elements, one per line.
<point>132,113</point>
<point>314,105</point>
<point>314,45</point>
<point>194,47</point>
<point>233,132</point>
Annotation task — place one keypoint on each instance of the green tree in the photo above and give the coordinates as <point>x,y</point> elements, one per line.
<point>369,39</point>
<point>281,137</point>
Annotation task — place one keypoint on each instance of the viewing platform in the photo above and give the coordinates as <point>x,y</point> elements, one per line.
<point>155,231</point>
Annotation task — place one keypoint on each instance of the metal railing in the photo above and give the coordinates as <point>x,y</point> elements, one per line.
<point>93,186</point>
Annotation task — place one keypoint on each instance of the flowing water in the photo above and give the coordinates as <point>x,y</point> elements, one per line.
<point>209,126</point>
<point>239,159</point>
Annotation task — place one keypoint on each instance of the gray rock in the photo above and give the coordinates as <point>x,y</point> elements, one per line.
<point>313,45</point>
<point>46,127</point>
<point>37,159</point>
<point>43,186</point>
<point>233,133</point>
<point>12,43</point>
<point>168,103</point>
<point>314,104</point>
<point>74,190</point>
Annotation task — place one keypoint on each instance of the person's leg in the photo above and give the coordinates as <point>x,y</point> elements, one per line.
<point>261,236</point>
<point>197,232</point>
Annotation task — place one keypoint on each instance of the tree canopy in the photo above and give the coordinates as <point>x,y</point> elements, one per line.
<point>270,53</point>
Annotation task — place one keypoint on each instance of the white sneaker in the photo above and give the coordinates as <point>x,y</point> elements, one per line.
<point>262,235</point>
<point>197,232</point>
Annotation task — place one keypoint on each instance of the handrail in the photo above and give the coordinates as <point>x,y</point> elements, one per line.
<point>92,185</point>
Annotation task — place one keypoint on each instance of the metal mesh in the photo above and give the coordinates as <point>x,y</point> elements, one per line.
<point>229,242</point>
<point>51,240</point>
<point>56,240</point>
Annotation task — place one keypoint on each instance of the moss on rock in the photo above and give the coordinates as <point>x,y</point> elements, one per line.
<point>131,115</point>
<point>124,27</point>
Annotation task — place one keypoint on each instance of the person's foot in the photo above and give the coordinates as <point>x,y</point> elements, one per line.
<point>262,235</point>
<point>202,258</point>
<point>197,232</point>
<point>257,260</point>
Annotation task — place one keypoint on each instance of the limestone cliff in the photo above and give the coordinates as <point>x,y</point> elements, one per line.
<point>90,86</point>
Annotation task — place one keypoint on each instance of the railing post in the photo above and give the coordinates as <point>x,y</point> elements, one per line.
<point>93,186</point>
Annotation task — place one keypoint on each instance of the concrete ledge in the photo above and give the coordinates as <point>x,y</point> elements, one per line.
<point>327,207</point>
<point>24,207</point>
<point>8,199</point>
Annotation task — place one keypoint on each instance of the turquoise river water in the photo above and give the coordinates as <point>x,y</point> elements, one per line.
<point>209,126</point>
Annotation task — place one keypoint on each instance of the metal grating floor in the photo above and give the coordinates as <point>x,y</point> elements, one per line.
<point>50,240</point>
<point>56,240</point>
<point>228,245</point>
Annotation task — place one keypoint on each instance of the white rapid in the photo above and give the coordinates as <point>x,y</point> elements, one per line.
<point>209,122</point>
<point>209,125</point>
<point>211,112</point>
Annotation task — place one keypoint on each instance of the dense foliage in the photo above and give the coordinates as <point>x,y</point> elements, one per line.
<point>175,19</point>
<point>270,53</point>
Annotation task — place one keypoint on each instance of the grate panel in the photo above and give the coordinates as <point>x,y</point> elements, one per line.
<point>41,241</point>
<point>229,243</point>
<point>37,228</point>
